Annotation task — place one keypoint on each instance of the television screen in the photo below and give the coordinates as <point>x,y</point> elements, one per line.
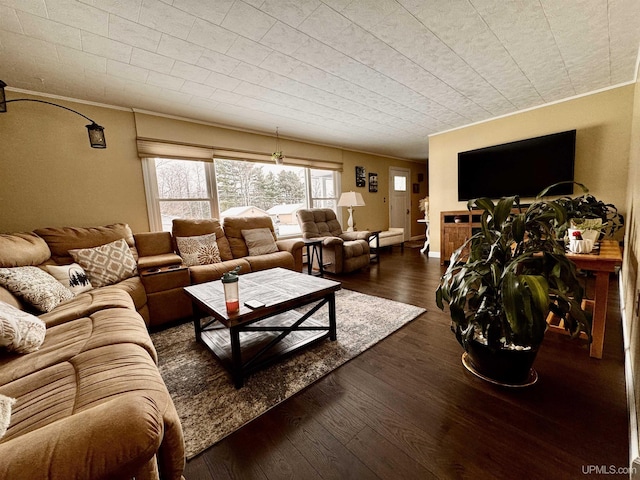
<point>523,168</point>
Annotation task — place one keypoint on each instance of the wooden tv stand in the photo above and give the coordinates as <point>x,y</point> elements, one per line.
<point>456,227</point>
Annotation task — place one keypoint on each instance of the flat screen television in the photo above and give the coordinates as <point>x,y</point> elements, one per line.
<point>523,168</point>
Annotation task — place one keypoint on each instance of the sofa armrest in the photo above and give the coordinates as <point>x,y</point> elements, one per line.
<point>112,440</point>
<point>158,261</point>
<point>359,235</point>
<point>294,246</point>
<point>332,241</point>
<point>153,243</point>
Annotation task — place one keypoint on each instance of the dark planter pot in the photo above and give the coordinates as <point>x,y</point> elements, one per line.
<point>502,366</point>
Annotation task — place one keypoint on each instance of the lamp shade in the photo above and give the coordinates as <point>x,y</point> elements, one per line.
<point>351,199</point>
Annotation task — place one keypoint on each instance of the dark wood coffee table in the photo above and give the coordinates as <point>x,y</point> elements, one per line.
<point>269,332</point>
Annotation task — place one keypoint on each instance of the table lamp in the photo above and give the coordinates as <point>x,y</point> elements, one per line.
<point>350,200</point>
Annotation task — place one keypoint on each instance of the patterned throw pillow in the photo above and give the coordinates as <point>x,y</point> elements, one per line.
<point>5,413</point>
<point>20,331</point>
<point>71,276</point>
<point>199,250</point>
<point>259,241</point>
<point>35,286</point>
<point>106,264</point>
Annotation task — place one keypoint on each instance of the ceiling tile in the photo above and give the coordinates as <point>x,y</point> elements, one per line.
<point>368,13</point>
<point>133,33</point>
<point>218,80</point>
<point>85,17</point>
<point>197,89</point>
<point>217,62</point>
<point>35,7</point>
<point>106,47</point>
<point>179,49</point>
<point>211,36</point>
<point>166,19</point>
<point>283,38</point>
<point>247,21</point>
<point>324,24</point>
<point>291,12</point>
<point>248,51</point>
<point>129,9</point>
<point>165,81</point>
<point>53,32</point>
<point>80,59</point>
<point>126,71</point>
<point>278,62</point>
<point>190,72</point>
<point>249,73</point>
<point>212,11</point>
<point>27,46</point>
<point>151,61</point>
<point>9,20</point>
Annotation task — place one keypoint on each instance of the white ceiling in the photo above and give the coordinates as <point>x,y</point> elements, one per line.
<point>372,75</point>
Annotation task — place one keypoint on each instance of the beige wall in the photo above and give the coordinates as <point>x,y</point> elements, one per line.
<point>602,121</point>
<point>630,273</point>
<point>49,175</point>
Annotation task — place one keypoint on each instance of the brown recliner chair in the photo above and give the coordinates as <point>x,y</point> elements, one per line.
<point>342,252</point>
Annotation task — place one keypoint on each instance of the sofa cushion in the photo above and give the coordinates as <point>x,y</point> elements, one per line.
<point>106,264</point>
<point>233,227</point>
<point>199,250</point>
<point>20,331</point>
<point>5,413</point>
<point>189,227</point>
<point>35,287</point>
<point>88,303</point>
<point>259,241</point>
<point>208,273</point>
<point>112,326</point>
<point>61,240</point>
<point>71,276</point>
<point>271,260</point>
<point>21,249</point>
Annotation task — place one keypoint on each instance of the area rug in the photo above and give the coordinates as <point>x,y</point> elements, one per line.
<point>209,406</point>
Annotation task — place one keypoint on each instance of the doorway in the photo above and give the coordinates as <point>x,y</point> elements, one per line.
<point>400,200</point>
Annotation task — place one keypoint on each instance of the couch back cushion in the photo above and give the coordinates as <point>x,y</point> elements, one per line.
<point>319,222</point>
<point>233,227</point>
<point>191,227</point>
<point>23,249</point>
<point>63,239</point>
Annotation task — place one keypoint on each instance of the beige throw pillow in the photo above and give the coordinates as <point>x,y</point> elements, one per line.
<point>106,264</point>
<point>5,413</point>
<point>259,241</point>
<point>199,250</point>
<point>35,286</point>
<point>71,276</point>
<point>20,331</point>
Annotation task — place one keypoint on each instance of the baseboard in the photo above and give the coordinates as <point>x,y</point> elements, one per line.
<point>634,450</point>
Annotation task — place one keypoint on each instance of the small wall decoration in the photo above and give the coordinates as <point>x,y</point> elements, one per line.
<point>421,177</point>
<point>361,180</point>
<point>416,188</point>
<point>373,182</point>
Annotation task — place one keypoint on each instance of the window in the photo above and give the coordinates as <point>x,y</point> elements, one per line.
<point>194,189</point>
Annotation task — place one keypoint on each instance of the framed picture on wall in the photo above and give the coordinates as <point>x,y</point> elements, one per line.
<point>361,180</point>
<point>416,188</point>
<point>373,182</point>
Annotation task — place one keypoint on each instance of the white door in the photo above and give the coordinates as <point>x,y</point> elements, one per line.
<point>400,200</point>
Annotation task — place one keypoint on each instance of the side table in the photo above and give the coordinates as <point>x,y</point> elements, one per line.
<point>425,247</point>
<point>375,255</point>
<point>314,252</point>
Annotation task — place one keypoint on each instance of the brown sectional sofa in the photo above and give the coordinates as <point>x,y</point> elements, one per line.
<point>91,402</point>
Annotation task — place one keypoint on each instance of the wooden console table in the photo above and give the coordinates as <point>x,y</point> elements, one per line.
<point>602,263</point>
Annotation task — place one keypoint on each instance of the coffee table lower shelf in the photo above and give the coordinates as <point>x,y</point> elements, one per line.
<point>261,343</point>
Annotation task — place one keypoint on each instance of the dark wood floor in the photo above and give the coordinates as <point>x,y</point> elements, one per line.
<point>407,408</point>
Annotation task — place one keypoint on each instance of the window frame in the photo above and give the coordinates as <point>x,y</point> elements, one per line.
<point>153,197</point>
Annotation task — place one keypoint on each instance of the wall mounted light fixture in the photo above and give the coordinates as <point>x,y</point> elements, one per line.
<point>96,132</point>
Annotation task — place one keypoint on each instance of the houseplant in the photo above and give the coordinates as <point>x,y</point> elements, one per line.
<point>502,283</point>
<point>586,212</point>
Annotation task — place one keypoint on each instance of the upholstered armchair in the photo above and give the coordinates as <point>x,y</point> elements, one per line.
<point>342,252</point>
